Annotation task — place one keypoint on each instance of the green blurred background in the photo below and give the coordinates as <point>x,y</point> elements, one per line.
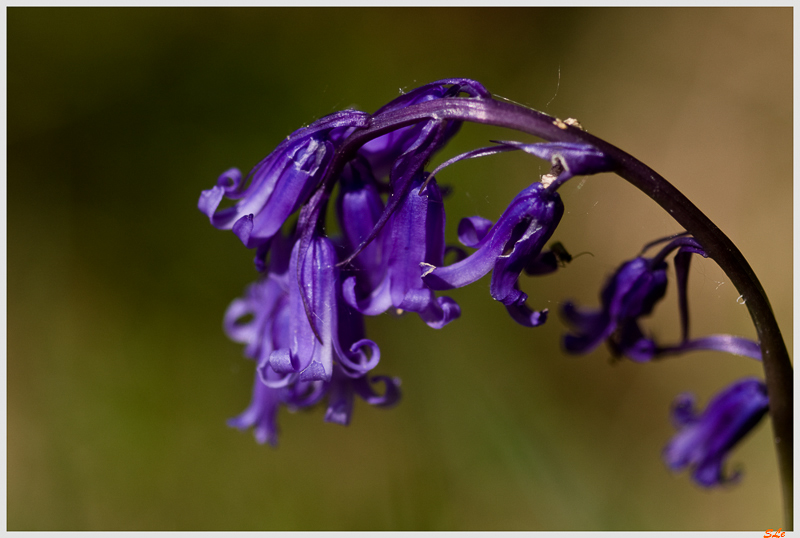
<point>120,378</point>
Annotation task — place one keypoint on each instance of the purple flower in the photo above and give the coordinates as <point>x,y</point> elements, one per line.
<point>318,322</point>
<point>262,320</point>
<point>388,275</point>
<point>632,293</point>
<point>404,152</point>
<point>705,439</point>
<point>505,248</point>
<point>265,307</point>
<point>280,183</point>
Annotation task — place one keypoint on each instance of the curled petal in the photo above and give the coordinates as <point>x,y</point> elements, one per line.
<point>280,183</point>
<point>240,332</point>
<point>210,200</point>
<point>390,396</point>
<point>342,389</point>
<point>522,313</point>
<point>262,304</point>
<point>473,230</point>
<point>440,311</point>
<point>231,182</point>
<point>378,302</point>
<point>277,371</point>
<point>364,361</point>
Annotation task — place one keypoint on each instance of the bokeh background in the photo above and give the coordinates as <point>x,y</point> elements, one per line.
<point>120,378</point>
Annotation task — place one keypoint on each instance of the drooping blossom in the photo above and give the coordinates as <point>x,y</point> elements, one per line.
<point>505,249</point>
<point>704,440</point>
<point>314,332</point>
<point>391,277</point>
<point>280,183</point>
<point>632,293</point>
<point>263,320</point>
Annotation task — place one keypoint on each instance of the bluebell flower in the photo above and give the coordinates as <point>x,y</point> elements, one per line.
<point>281,182</point>
<point>262,320</point>
<point>404,152</point>
<point>389,274</point>
<point>632,293</point>
<point>316,315</point>
<point>505,248</point>
<point>705,439</point>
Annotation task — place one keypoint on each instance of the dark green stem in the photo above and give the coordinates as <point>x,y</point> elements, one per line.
<point>777,365</point>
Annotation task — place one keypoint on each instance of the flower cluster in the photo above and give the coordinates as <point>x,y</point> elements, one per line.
<point>302,322</point>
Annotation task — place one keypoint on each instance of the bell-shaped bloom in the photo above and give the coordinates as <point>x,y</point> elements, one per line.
<point>359,206</point>
<point>404,152</point>
<point>315,319</point>
<point>705,439</point>
<point>413,236</point>
<point>279,184</point>
<point>631,293</point>
<point>505,248</point>
<point>262,320</point>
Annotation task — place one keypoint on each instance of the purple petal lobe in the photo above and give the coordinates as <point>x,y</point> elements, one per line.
<point>577,159</point>
<point>705,439</point>
<point>281,182</point>
<point>209,201</point>
<point>472,231</point>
